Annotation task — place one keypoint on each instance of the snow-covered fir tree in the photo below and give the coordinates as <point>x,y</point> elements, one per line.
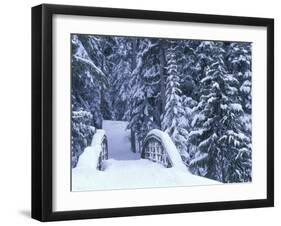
<point>81,133</point>
<point>120,77</point>
<point>222,145</point>
<point>88,80</point>
<point>173,119</point>
<point>144,90</point>
<point>239,60</point>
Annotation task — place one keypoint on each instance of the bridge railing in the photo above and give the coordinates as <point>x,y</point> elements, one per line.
<point>94,155</point>
<point>103,154</point>
<point>159,147</point>
<point>153,149</point>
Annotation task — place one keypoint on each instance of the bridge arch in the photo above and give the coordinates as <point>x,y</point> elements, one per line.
<point>159,147</point>
<point>94,155</point>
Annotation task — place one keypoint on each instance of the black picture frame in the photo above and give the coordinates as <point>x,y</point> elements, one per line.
<point>42,107</point>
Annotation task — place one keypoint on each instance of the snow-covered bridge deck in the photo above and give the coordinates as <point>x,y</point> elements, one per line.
<point>126,170</point>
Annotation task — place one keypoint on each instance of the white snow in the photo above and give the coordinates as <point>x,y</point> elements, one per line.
<point>246,87</point>
<point>89,158</point>
<point>212,99</point>
<point>196,132</point>
<point>236,107</point>
<point>98,137</point>
<point>197,117</point>
<point>125,170</point>
<point>198,158</point>
<point>82,55</point>
<point>118,138</point>
<point>132,174</point>
<point>89,62</point>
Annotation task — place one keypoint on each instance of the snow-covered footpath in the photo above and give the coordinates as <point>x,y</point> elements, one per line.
<point>125,170</point>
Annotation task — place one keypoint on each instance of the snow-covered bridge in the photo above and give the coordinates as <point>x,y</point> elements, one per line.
<point>109,162</point>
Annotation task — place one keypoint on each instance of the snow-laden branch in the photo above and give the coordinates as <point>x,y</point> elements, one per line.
<point>90,63</point>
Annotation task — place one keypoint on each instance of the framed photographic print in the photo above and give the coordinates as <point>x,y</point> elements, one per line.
<point>146,112</point>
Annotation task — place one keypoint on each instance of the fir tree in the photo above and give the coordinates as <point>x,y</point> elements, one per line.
<point>239,60</point>
<point>144,90</point>
<point>120,77</point>
<point>173,121</point>
<point>81,133</point>
<point>219,136</point>
<point>87,83</point>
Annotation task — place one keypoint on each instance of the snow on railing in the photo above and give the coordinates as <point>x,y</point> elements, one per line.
<point>159,147</point>
<point>94,155</point>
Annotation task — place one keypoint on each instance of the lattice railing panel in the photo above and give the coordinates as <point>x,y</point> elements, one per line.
<point>154,151</point>
<point>103,154</point>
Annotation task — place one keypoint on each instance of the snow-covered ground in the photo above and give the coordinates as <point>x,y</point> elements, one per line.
<point>118,138</point>
<point>125,170</point>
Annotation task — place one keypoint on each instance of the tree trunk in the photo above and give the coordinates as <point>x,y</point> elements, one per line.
<point>133,141</point>
<point>162,77</point>
<point>222,167</point>
<point>133,66</point>
<point>134,54</point>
